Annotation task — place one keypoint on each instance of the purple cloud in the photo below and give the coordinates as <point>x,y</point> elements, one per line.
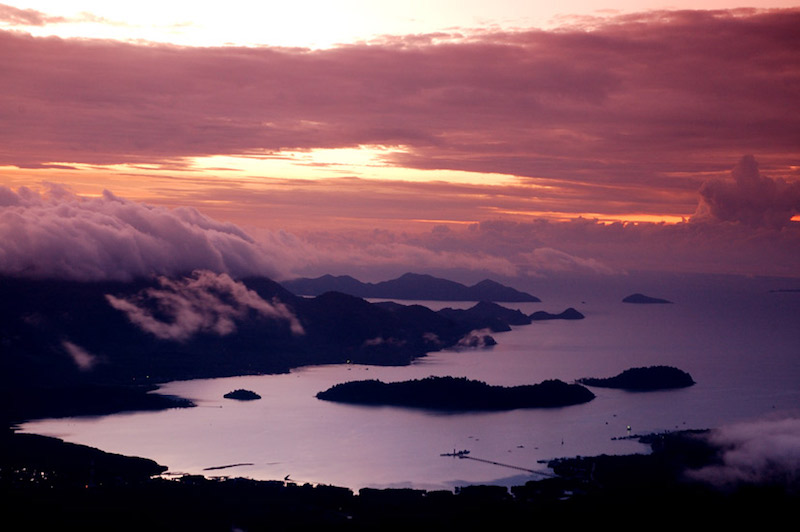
<point>749,198</point>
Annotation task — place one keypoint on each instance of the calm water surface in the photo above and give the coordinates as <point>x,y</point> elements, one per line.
<point>741,345</point>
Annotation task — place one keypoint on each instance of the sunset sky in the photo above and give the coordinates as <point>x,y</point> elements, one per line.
<point>499,138</point>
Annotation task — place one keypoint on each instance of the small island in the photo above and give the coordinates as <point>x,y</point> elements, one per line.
<point>457,394</point>
<point>242,395</point>
<point>569,314</point>
<point>643,299</point>
<point>644,379</point>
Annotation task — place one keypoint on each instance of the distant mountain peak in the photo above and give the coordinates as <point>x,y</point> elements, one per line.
<point>409,286</point>
<point>411,275</point>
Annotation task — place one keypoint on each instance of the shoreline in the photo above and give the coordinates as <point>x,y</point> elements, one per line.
<point>86,486</point>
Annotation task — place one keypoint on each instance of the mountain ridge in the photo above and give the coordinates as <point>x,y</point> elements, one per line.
<point>136,334</point>
<point>409,286</point>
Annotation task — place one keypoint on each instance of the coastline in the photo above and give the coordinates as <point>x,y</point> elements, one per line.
<point>87,487</point>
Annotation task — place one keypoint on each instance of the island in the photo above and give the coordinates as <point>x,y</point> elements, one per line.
<point>643,299</point>
<point>457,394</point>
<point>242,395</point>
<point>644,379</point>
<point>569,314</point>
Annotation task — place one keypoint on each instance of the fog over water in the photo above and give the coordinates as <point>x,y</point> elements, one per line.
<point>737,338</point>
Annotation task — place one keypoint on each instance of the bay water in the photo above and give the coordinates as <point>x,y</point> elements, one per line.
<point>739,341</point>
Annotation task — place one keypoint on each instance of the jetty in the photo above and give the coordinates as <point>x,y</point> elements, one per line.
<point>456,454</point>
<point>464,455</point>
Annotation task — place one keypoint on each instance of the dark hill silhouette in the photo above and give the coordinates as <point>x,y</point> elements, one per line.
<point>642,379</point>
<point>411,286</point>
<point>39,325</point>
<point>569,314</point>
<point>242,395</point>
<point>486,314</point>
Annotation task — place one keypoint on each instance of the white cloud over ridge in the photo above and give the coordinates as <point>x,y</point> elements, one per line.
<point>56,234</point>
<point>764,452</point>
<point>82,358</point>
<point>61,235</point>
<point>206,302</point>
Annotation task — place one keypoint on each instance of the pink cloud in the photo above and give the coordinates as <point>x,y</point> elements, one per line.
<point>639,98</point>
<point>58,234</point>
<point>25,17</point>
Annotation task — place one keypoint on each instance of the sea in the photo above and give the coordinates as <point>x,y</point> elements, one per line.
<point>738,338</point>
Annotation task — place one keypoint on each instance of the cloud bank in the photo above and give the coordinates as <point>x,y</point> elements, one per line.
<point>206,302</point>
<point>605,102</point>
<point>766,452</point>
<point>58,234</point>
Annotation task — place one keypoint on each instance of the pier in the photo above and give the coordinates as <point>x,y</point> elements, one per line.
<point>464,455</point>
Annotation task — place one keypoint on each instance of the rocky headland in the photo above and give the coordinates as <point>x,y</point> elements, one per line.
<point>644,379</point>
<point>568,314</point>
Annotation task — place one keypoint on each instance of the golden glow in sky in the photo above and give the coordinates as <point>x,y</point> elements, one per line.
<point>512,139</point>
<point>321,23</point>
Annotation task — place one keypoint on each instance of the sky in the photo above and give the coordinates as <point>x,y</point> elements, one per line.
<point>473,138</point>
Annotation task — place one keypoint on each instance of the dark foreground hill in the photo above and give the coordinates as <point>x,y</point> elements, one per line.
<point>62,486</point>
<point>410,286</point>
<point>116,340</point>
